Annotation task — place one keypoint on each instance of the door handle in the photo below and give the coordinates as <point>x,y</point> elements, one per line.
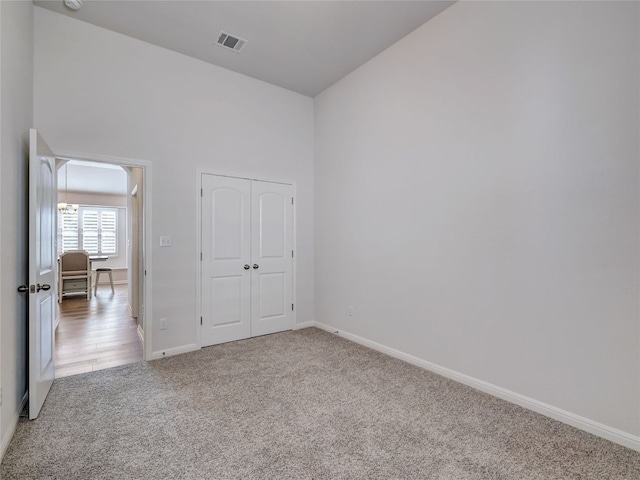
<point>255,266</point>
<point>23,288</point>
<point>247,267</point>
<point>44,287</point>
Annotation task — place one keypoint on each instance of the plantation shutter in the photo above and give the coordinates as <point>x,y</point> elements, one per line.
<point>94,229</point>
<point>69,227</point>
<point>90,231</point>
<point>108,230</point>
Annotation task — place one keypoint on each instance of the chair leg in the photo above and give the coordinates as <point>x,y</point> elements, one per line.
<point>95,292</point>
<point>111,282</point>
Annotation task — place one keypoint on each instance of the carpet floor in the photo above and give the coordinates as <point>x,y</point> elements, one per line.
<point>295,405</point>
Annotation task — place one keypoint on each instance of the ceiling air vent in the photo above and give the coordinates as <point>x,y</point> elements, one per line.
<point>230,41</point>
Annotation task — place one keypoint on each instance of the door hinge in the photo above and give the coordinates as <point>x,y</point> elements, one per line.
<point>292,307</point>
<point>201,192</point>
<point>200,320</point>
<point>291,200</point>
<point>200,256</point>
<point>291,253</point>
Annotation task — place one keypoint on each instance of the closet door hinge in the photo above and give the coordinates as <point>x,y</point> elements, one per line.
<point>200,320</point>
<point>291,253</point>
<point>291,200</point>
<point>292,307</point>
<point>201,192</point>
<point>200,256</point>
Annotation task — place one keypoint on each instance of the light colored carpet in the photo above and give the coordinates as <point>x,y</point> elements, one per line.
<point>295,405</point>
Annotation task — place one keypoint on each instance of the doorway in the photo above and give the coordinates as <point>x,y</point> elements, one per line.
<point>104,216</point>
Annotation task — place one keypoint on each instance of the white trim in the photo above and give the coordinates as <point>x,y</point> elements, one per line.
<point>198,252</point>
<point>294,260</point>
<point>300,326</point>
<point>6,440</point>
<point>609,433</point>
<point>175,351</point>
<point>147,180</point>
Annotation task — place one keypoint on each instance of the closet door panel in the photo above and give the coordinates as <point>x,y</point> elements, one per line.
<point>272,264</point>
<point>226,250</point>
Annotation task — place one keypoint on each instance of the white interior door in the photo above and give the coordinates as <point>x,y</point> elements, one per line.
<point>42,271</point>
<point>272,262</point>
<point>226,254</point>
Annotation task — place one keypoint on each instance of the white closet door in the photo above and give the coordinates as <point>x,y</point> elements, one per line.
<point>271,252</point>
<point>226,255</point>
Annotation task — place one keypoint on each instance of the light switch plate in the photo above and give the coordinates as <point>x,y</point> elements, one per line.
<point>165,241</point>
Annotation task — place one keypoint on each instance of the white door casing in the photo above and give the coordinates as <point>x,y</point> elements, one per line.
<point>42,271</point>
<point>226,254</point>
<point>247,265</point>
<point>271,252</point>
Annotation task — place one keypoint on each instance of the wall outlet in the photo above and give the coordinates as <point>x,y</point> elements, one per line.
<point>163,324</point>
<point>350,311</point>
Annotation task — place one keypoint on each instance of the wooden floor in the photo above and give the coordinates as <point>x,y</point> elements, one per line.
<point>97,333</point>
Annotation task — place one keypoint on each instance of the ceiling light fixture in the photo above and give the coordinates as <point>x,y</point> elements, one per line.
<point>73,4</point>
<point>64,207</point>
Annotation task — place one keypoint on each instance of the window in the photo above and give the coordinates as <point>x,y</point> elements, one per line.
<point>94,229</point>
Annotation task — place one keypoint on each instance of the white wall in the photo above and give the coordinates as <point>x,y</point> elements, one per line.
<point>477,201</point>
<point>16,74</point>
<point>113,95</point>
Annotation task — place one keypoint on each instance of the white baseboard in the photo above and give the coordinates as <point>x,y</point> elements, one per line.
<point>609,433</point>
<point>6,440</point>
<point>300,326</point>
<point>174,351</point>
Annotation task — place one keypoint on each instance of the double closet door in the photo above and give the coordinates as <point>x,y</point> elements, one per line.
<point>247,258</point>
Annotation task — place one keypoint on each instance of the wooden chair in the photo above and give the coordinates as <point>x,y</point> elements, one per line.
<point>74,274</point>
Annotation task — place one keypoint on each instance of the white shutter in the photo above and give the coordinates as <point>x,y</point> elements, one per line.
<point>108,232</point>
<point>98,234</point>
<point>69,228</point>
<point>90,231</point>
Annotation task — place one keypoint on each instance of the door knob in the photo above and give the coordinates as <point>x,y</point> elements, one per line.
<point>44,287</point>
<point>255,265</point>
<point>247,267</point>
<point>23,288</point>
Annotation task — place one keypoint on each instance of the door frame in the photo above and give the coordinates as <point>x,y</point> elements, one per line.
<point>198,196</point>
<point>147,226</point>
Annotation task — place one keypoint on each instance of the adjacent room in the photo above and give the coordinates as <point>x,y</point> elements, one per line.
<point>97,323</point>
<point>374,239</point>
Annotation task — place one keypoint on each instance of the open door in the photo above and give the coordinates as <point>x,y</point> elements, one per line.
<point>42,271</point>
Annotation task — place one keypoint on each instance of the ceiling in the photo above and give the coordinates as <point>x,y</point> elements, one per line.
<point>92,177</point>
<point>304,46</point>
